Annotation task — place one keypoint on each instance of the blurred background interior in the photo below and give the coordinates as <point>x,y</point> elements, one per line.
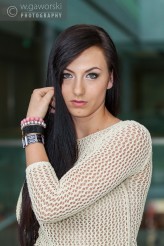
<point>136,26</point>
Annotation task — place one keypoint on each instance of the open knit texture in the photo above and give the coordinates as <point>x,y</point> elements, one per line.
<point>100,200</point>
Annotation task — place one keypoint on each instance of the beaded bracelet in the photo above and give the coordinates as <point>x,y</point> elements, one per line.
<point>32,121</point>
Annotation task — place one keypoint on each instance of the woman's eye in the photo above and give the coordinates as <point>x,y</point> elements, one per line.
<point>67,76</point>
<point>92,75</point>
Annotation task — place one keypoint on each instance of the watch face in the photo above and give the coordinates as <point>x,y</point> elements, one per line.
<point>32,139</point>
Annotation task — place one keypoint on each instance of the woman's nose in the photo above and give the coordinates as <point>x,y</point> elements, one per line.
<point>78,88</point>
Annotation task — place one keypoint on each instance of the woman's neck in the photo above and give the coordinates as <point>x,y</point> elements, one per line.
<point>93,123</point>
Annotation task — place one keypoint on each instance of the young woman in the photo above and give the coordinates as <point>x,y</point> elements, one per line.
<point>88,183</point>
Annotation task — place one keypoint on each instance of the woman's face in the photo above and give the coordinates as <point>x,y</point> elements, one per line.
<point>85,81</point>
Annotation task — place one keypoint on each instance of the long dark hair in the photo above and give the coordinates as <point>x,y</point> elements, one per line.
<point>60,135</point>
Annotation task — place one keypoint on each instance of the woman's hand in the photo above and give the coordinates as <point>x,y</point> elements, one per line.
<point>40,101</point>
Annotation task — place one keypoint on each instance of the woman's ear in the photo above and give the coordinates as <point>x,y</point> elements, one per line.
<point>110,83</point>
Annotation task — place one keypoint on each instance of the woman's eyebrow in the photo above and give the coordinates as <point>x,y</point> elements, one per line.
<point>85,71</point>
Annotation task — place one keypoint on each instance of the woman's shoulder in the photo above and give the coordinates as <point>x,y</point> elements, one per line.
<point>124,130</point>
<point>130,130</point>
<point>130,125</point>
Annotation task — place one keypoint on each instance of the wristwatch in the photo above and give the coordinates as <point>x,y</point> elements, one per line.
<point>32,138</point>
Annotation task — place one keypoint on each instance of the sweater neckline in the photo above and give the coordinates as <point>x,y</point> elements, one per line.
<point>79,140</point>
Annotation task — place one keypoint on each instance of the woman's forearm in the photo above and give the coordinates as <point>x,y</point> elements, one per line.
<point>35,153</point>
<point>38,107</point>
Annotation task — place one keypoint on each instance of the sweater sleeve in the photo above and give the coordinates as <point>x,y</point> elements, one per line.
<point>121,155</point>
<point>18,206</point>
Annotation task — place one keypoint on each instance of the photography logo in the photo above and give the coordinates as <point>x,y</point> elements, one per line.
<point>12,11</point>
<point>23,10</point>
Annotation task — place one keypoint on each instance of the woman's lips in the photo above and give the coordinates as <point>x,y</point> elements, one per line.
<point>78,103</point>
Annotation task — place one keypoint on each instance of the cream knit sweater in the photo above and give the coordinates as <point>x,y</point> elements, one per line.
<point>100,201</point>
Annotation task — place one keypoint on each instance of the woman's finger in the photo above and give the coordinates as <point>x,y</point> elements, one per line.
<point>43,91</point>
<point>48,96</point>
<point>52,103</point>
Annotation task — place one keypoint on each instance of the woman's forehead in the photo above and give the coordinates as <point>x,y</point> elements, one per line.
<point>91,57</point>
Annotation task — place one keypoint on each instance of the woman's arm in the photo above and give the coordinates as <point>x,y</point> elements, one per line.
<point>38,106</point>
